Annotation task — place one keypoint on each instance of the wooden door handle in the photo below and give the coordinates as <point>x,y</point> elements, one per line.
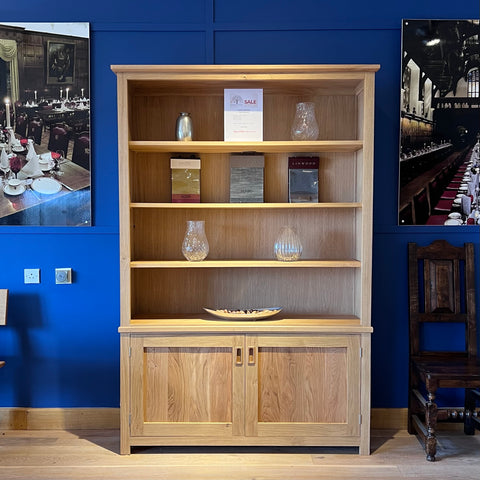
<point>251,355</point>
<point>239,356</point>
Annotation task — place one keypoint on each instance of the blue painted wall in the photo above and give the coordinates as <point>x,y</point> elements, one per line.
<point>61,343</point>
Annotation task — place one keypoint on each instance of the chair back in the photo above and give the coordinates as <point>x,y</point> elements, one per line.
<point>441,290</point>
<point>35,128</point>
<point>81,150</point>
<point>58,140</point>
<point>21,124</point>
<point>421,207</point>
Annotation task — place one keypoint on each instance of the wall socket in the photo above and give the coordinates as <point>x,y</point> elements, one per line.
<point>31,275</point>
<point>63,276</point>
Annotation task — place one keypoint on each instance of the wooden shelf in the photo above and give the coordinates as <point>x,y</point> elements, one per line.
<point>232,147</point>
<point>246,264</point>
<point>281,323</point>
<point>262,206</point>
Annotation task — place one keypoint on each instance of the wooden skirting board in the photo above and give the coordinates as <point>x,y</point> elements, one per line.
<point>18,418</point>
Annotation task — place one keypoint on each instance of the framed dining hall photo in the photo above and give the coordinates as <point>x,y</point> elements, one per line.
<point>439,158</point>
<point>45,134</point>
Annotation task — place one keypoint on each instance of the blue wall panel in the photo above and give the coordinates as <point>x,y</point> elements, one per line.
<point>61,343</point>
<point>326,14</point>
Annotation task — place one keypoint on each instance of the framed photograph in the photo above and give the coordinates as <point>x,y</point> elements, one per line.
<point>45,134</point>
<point>439,158</point>
<point>60,63</point>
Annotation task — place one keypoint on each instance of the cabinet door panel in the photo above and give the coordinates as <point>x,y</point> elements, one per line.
<point>187,385</point>
<point>306,385</point>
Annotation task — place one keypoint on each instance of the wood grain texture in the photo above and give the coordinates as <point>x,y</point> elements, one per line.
<point>302,385</point>
<point>93,455</point>
<point>188,384</point>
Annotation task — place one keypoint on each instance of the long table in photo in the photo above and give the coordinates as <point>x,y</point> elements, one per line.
<point>74,178</point>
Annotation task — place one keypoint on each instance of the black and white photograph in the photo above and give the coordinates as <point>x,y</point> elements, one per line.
<point>45,154</point>
<point>440,123</point>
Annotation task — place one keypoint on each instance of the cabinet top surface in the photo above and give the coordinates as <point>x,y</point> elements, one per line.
<point>346,325</point>
<point>236,69</point>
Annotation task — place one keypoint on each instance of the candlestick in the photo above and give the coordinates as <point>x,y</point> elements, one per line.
<point>61,93</point>
<point>82,92</point>
<point>66,94</point>
<point>35,95</point>
<point>7,111</point>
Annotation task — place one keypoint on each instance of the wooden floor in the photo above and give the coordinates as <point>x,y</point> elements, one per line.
<point>90,454</point>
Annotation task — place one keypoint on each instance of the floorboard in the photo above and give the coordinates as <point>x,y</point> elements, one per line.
<point>94,455</point>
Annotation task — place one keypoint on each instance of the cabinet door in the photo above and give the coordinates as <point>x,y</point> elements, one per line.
<point>187,386</point>
<point>302,386</point>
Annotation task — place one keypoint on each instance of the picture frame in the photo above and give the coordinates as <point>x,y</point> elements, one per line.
<point>439,154</point>
<point>60,63</point>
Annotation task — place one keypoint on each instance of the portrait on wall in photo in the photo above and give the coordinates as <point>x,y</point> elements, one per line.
<point>60,63</point>
<point>45,159</point>
<point>439,157</point>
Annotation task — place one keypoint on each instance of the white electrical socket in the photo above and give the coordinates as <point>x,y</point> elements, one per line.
<point>63,276</point>
<point>31,275</point>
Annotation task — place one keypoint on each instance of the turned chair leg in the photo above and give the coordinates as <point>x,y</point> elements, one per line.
<point>470,403</point>
<point>431,424</point>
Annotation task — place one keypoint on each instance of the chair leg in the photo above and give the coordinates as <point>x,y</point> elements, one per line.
<point>413,407</point>
<point>470,403</point>
<point>431,424</point>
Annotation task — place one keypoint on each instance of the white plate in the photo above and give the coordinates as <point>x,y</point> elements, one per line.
<point>460,195</point>
<point>247,314</point>
<point>454,215</point>
<point>46,185</point>
<point>453,221</point>
<point>18,149</point>
<point>457,201</point>
<point>14,191</point>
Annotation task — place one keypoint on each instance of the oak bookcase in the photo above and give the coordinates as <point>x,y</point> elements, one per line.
<point>301,377</point>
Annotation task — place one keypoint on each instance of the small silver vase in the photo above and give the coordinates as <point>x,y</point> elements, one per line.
<point>184,127</point>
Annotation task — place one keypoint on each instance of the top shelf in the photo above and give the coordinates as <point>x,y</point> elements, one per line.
<point>232,147</point>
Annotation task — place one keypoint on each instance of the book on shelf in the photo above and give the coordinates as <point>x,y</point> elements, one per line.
<point>243,114</point>
<point>246,178</point>
<point>185,180</point>
<point>303,179</point>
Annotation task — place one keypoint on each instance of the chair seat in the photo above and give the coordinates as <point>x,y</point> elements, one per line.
<point>448,194</point>
<point>437,219</point>
<point>444,205</point>
<point>455,373</point>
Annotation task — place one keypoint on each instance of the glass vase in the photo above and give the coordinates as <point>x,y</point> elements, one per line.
<point>305,126</point>
<point>195,244</point>
<point>288,247</point>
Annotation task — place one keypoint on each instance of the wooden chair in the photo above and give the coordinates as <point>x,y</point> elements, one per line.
<point>441,290</point>
<point>3,312</point>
